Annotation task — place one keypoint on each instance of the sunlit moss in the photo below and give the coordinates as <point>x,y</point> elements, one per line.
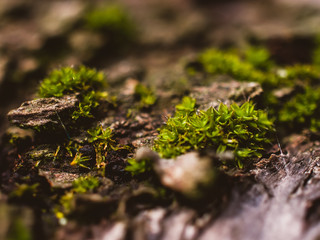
<point>87,83</point>
<point>259,57</point>
<point>218,62</point>
<point>241,129</point>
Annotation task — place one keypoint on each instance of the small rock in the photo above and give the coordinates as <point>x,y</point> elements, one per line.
<point>117,231</point>
<point>44,112</point>
<point>188,174</point>
<point>224,89</point>
<point>283,92</point>
<point>44,152</point>
<point>59,179</point>
<point>246,91</point>
<point>19,136</point>
<point>146,153</point>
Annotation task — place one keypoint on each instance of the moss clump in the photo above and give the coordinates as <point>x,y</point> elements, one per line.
<point>138,167</point>
<point>241,129</point>
<point>259,57</point>
<point>280,84</point>
<point>308,74</point>
<point>85,82</point>
<point>85,184</point>
<point>302,110</point>
<point>145,96</point>
<point>112,20</point>
<point>218,62</point>
<point>25,191</point>
<point>69,80</point>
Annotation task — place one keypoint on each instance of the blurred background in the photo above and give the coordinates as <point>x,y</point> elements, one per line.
<point>142,36</point>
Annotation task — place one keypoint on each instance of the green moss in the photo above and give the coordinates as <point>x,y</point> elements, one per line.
<point>138,167</point>
<point>69,80</point>
<point>218,62</point>
<point>302,110</point>
<point>259,57</point>
<point>305,73</point>
<point>25,191</point>
<point>288,110</point>
<point>85,82</point>
<point>145,96</point>
<point>85,184</point>
<point>88,103</point>
<point>103,137</point>
<point>112,20</point>
<point>241,129</point>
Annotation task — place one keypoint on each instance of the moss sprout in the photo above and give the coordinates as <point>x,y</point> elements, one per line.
<point>241,129</point>
<point>80,160</point>
<point>103,142</point>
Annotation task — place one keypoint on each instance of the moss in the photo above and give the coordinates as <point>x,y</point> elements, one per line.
<point>80,160</point>
<point>138,167</point>
<point>145,96</point>
<point>85,82</point>
<point>85,184</point>
<point>112,20</point>
<point>218,62</point>
<point>306,73</point>
<point>255,65</point>
<point>67,202</point>
<point>69,80</point>
<point>241,129</point>
<point>25,191</point>
<point>302,110</point>
<point>259,57</point>
<point>103,142</point>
